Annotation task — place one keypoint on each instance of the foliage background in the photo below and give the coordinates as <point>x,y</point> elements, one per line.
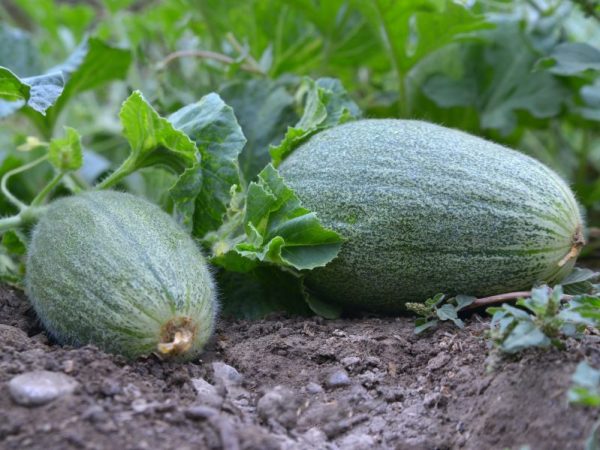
<point>523,73</point>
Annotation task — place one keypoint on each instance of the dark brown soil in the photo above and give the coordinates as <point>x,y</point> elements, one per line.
<point>300,384</point>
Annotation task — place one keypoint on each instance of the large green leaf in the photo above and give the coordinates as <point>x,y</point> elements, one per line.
<point>154,141</point>
<point>39,93</point>
<point>574,58</point>
<point>211,124</point>
<point>18,53</point>
<point>499,80</point>
<point>411,31</point>
<point>280,231</point>
<point>91,65</point>
<point>326,104</point>
<point>265,109</point>
<point>148,134</point>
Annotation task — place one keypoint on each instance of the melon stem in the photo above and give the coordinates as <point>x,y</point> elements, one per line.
<point>176,336</point>
<point>577,244</point>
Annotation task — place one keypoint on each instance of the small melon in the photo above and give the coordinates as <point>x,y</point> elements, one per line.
<point>428,209</point>
<point>113,270</point>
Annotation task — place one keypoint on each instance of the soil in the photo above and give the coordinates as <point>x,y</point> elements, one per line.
<point>298,383</point>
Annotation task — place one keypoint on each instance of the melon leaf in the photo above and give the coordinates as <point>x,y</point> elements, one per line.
<point>573,58</point>
<point>280,230</point>
<point>326,104</point>
<point>212,125</point>
<point>39,93</point>
<point>585,390</point>
<point>264,108</point>
<point>92,64</point>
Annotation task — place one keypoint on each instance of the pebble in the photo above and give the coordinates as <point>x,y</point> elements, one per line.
<point>350,361</point>
<point>357,441</point>
<point>200,412</point>
<point>279,404</point>
<point>207,393</point>
<point>226,374</point>
<point>314,388</point>
<point>439,361</point>
<point>40,387</point>
<point>339,378</point>
<point>435,399</point>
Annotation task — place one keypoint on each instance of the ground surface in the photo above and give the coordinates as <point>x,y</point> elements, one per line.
<point>297,384</point>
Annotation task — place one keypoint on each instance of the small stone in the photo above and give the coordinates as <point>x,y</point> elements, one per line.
<point>313,388</point>
<point>439,361</point>
<point>435,399</point>
<point>207,393</point>
<point>226,374</point>
<point>339,378</point>
<point>197,412</point>
<point>68,366</point>
<point>357,441</point>
<point>111,387</point>
<point>40,387</point>
<point>350,361</point>
<point>393,395</point>
<point>95,414</point>
<point>315,438</point>
<point>373,361</point>
<point>279,404</point>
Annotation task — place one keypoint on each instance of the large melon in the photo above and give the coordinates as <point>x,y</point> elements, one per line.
<point>111,269</point>
<point>428,209</point>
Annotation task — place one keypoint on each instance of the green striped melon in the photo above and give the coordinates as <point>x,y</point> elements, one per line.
<point>111,269</point>
<point>428,209</point>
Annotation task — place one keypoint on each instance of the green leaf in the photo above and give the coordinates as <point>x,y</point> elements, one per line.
<point>92,64</point>
<point>212,125</point>
<point>259,292</point>
<point>326,104</point>
<point>499,81</point>
<point>579,281</point>
<point>463,301</point>
<point>66,154</point>
<point>424,325</point>
<point>582,309</point>
<point>412,31</point>
<point>17,52</point>
<point>279,230</point>
<point>149,135</point>
<point>39,93</point>
<point>320,307</point>
<point>264,109</point>
<point>586,386</point>
<point>525,335</point>
<point>15,242</point>
<point>573,58</point>
<point>12,89</point>
<point>448,312</point>
<point>593,441</point>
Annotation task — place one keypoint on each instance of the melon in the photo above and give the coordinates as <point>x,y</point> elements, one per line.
<point>428,209</point>
<point>113,270</point>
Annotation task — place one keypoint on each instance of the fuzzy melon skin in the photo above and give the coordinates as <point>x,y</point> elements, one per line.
<point>111,269</point>
<point>428,209</point>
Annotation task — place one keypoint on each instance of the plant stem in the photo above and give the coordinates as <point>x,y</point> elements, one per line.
<point>4,187</point>
<point>501,298</point>
<point>207,54</point>
<point>8,223</point>
<point>47,189</point>
<point>28,215</point>
<point>121,172</point>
